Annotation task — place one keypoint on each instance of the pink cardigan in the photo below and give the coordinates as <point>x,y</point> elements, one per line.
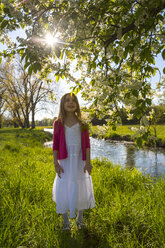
<point>59,143</point>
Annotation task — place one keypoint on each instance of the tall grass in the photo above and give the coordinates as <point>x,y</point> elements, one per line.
<point>129,210</point>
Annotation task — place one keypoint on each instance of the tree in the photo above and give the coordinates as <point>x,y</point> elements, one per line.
<point>2,102</point>
<point>12,104</point>
<point>39,92</point>
<point>160,90</point>
<point>114,42</point>
<point>22,92</point>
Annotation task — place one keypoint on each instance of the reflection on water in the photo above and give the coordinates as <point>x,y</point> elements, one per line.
<point>149,161</point>
<point>130,156</point>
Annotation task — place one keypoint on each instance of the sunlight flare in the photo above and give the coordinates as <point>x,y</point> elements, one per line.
<point>50,39</point>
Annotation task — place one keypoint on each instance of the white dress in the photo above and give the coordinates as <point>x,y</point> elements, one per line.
<point>74,190</point>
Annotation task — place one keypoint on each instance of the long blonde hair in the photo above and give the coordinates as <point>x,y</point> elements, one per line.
<point>62,113</point>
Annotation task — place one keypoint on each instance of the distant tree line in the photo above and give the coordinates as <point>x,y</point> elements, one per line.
<point>158,116</point>
<point>45,122</point>
<point>8,122</point>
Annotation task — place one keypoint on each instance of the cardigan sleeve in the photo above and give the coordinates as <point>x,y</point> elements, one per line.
<point>56,136</point>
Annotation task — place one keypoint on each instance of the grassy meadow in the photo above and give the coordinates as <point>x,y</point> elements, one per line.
<point>129,212</point>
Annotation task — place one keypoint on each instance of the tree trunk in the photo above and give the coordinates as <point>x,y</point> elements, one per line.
<point>0,112</point>
<point>18,118</point>
<point>27,123</point>
<point>33,114</point>
<point>15,125</point>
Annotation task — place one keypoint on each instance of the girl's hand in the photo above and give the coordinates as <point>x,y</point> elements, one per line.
<point>88,167</point>
<point>58,169</point>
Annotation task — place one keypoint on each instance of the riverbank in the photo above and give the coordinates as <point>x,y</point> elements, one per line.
<point>129,206</point>
<point>126,134</point>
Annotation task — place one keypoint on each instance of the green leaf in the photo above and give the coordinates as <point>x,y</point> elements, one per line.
<point>139,102</point>
<point>22,55</point>
<point>92,82</point>
<point>164,70</point>
<point>77,90</point>
<point>139,142</point>
<point>4,24</point>
<point>93,22</point>
<point>135,93</point>
<point>2,6</point>
<point>128,95</point>
<point>149,69</point>
<point>61,55</point>
<point>58,53</point>
<point>30,69</point>
<point>114,128</point>
<point>27,64</point>
<point>146,55</point>
<point>148,101</point>
<point>95,102</point>
<point>163,54</point>
<point>160,17</point>
<point>145,136</point>
<point>116,59</point>
<point>57,78</point>
<point>93,65</point>
<point>7,11</point>
<point>36,67</point>
<point>126,52</point>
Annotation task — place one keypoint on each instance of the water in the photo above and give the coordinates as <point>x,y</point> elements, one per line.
<point>148,160</point>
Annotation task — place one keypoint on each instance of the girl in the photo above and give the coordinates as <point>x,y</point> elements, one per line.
<point>72,188</point>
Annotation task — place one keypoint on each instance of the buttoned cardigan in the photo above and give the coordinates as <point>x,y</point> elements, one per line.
<point>59,142</point>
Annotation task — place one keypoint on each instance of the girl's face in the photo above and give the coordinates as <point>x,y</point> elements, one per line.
<point>70,104</point>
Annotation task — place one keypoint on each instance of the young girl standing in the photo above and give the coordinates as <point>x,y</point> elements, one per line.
<point>72,188</point>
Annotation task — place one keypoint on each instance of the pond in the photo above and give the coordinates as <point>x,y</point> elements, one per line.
<point>148,160</point>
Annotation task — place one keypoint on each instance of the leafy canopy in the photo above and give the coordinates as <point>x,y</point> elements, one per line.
<point>114,42</point>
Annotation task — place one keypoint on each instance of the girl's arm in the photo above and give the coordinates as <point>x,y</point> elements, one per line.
<point>88,155</point>
<point>57,166</point>
<point>55,155</point>
<point>88,166</point>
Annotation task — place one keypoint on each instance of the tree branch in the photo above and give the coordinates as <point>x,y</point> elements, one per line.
<point>113,37</point>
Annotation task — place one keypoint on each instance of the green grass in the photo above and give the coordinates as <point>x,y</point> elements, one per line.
<point>42,127</point>
<point>129,210</point>
<point>161,131</point>
<point>107,132</point>
<point>124,132</point>
<point>23,137</point>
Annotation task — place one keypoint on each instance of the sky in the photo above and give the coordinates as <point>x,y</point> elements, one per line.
<point>63,87</point>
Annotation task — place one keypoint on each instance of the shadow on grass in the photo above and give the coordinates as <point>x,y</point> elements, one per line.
<point>81,239</point>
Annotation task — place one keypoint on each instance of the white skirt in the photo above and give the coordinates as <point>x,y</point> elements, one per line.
<point>74,190</point>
